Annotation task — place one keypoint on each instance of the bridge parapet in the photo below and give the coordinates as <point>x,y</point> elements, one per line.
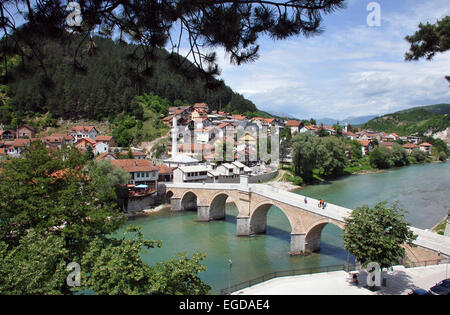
<point>426,239</point>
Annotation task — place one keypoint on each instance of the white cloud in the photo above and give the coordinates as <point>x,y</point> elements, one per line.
<point>348,71</point>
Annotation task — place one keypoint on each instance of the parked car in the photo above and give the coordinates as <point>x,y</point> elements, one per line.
<point>419,292</point>
<point>441,288</point>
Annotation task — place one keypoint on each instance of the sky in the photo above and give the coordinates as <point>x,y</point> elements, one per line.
<point>351,69</point>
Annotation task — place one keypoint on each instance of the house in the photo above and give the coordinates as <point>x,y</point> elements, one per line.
<point>106,156</point>
<point>426,147</point>
<point>414,139</point>
<point>198,113</point>
<point>15,147</point>
<point>387,144</point>
<point>8,134</point>
<point>142,172</point>
<point>83,143</point>
<point>80,132</point>
<point>181,160</point>
<point>201,106</point>
<point>165,173</point>
<point>312,129</point>
<point>226,169</point>
<point>367,146</point>
<point>26,131</point>
<point>348,134</point>
<point>57,141</point>
<point>109,140</point>
<point>409,147</point>
<point>240,120</point>
<point>191,173</point>
<point>241,169</point>
<point>294,126</point>
<point>390,137</point>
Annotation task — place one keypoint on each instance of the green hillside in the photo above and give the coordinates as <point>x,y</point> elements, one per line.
<point>415,120</point>
<point>103,81</point>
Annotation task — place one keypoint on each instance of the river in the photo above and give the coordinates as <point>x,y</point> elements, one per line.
<point>422,190</point>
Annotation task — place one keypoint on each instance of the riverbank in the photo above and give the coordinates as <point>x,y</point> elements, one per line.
<point>147,212</point>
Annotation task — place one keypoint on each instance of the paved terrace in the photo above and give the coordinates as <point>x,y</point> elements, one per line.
<point>291,204</point>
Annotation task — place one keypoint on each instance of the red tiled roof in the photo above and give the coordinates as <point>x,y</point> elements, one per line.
<point>133,165</point>
<point>164,169</point>
<point>17,142</point>
<point>103,138</point>
<point>82,128</point>
<point>426,144</point>
<point>410,146</point>
<point>103,155</point>
<point>293,123</point>
<point>364,143</point>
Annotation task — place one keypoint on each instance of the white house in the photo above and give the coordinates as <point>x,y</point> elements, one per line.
<point>80,132</point>
<point>100,148</point>
<point>191,173</point>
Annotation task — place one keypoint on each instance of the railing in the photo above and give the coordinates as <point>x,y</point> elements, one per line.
<point>312,270</point>
<point>286,273</point>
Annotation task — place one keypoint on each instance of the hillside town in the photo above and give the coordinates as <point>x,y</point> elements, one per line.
<point>198,134</point>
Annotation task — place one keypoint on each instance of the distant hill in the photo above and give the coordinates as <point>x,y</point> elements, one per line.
<point>352,120</point>
<point>422,119</point>
<point>358,120</point>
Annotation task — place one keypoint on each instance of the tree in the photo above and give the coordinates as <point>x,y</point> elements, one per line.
<point>381,158</point>
<point>232,25</point>
<point>36,266</point>
<point>89,153</point>
<point>49,191</point>
<point>418,155</point>
<point>399,155</point>
<point>55,209</point>
<point>377,234</point>
<point>335,160</point>
<point>429,40</point>
<point>308,154</point>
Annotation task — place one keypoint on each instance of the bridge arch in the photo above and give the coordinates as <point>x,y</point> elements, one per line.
<point>169,195</point>
<point>258,217</point>
<point>217,206</point>
<point>314,233</point>
<point>189,201</point>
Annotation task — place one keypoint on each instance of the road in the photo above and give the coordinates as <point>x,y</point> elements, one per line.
<point>400,281</point>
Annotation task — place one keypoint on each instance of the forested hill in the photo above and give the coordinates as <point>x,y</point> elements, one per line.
<point>420,120</point>
<point>106,82</point>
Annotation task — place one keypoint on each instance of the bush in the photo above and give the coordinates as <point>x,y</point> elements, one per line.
<point>442,156</point>
<point>419,155</point>
<point>381,157</point>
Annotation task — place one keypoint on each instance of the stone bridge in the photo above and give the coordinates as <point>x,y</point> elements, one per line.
<point>253,202</point>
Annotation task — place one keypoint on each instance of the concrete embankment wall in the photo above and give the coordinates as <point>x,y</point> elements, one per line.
<point>262,177</point>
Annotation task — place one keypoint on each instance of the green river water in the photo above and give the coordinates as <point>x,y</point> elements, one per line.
<point>422,190</point>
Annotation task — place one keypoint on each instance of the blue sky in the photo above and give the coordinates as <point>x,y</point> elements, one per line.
<point>351,69</point>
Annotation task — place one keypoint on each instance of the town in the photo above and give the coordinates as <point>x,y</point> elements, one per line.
<point>200,142</point>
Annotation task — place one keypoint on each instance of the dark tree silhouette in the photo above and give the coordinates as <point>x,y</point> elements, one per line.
<point>199,25</point>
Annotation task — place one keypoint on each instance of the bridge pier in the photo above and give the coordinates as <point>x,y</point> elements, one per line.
<point>203,213</point>
<point>243,226</point>
<point>298,244</point>
<point>175,204</point>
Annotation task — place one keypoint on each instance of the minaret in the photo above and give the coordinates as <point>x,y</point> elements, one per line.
<point>174,137</point>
